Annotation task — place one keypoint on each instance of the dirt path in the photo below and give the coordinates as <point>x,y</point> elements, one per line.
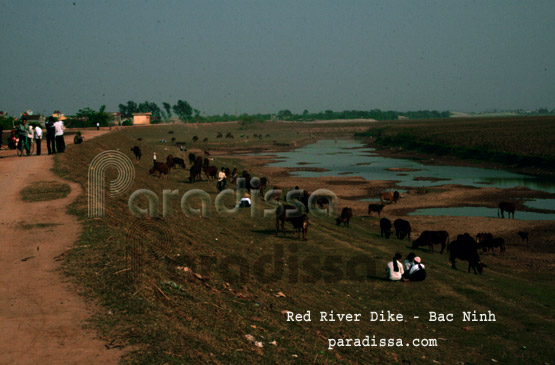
<point>41,315</point>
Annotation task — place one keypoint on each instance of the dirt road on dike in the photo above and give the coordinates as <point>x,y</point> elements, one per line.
<point>41,315</point>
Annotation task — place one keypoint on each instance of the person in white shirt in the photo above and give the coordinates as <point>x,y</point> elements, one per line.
<point>38,138</point>
<point>222,179</point>
<point>418,271</point>
<point>395,269</point>
<point>97,126</point>
<point>245,201</point>
<point>59,133</point>
<point>409,262</point>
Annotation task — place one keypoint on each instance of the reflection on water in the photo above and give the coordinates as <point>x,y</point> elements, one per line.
<point>349,156</point>
<point>479,212</point>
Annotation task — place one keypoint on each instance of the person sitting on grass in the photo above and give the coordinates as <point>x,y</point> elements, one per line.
<point>409,262</point>
<point>418,271</point>
<point>395,269</point>
<point>245,201</point>
<point>78,139</point>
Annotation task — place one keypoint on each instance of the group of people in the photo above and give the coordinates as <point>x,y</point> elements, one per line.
<point>28,134</point>
<point>412,268</point>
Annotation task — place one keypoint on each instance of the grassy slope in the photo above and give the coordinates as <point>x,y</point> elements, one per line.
<point>207,320</point>
<point>527,141</point>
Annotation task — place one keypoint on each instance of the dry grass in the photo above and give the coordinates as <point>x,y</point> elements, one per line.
<point>45,190</point>
<point>174,316</point>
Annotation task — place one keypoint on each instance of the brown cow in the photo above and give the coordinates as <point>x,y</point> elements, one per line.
<point>161,167</point>
<point>345,217</point>
<point>170,162</point>
<point>390,197</point>
<point>210,172</point>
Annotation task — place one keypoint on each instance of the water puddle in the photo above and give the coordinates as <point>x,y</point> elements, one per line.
<point>350,157</point>
<point>480,212</point>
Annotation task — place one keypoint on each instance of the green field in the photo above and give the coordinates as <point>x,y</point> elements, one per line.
<point>520,141</point>
<point>173,316</point>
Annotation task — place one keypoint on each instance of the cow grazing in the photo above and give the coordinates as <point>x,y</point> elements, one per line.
<point>345,217</point>
<point>137,152</point>
<point>375,208</point>
<point>173,139</point>
<point>195,138</point>
<point>431,238</point>
<point>210,172</point>
<point>385,227</point>
<point>195,173</point>
<point>492,244</point>
<point>179,162</point>
<point>161,168</point>
<point>466,249</point>
<point>506,207</point>
<point>229,135</point>
<point>299,222</point>
<point>390,197</point>
<point>205,139</point>
<point>220,135</point>
<point>170,132</point>
<point>402,228</point>
<point>523,236</point>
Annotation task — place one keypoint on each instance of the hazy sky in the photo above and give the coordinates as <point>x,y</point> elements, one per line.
<point>263,56</point>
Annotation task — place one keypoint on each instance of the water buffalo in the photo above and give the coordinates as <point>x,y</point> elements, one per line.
<point>506,207</point>
<point>523,236</point>
<point>431,238</point>
<point>161,168</point>
<point>375,208</point>
<point>466,249</point>
<point>385,227</point>
<point>345,217</point>
<point>137,152</point>
<point>402,228</point>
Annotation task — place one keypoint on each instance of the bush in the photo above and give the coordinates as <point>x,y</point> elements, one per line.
<point>126,123</point>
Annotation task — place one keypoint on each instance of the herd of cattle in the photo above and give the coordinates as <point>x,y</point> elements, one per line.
<point>464,247</point>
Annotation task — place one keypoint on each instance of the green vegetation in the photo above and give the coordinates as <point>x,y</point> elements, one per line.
<point>517,141</point>
<point>45,190</point>
<point>173,316</point>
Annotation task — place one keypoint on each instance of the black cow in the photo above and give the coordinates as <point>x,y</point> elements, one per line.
<point>402,228</point>
<point>506,207</point>
<point>300,222</point>
<point>137,152</point>
<point>385,227</point>
<point>493,243</point>
<point>431,238</point>
<point>523,236</point>
<point>192,158</point>
<point>179,162</point>
<point>345,217</point>
<point>195,173</point>
<point>465,248</point>
<point>375,208</point>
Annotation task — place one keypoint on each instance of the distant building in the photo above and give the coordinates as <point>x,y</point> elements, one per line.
<point>141,118</point>
<point>36,118</point>
<point>115,118</point>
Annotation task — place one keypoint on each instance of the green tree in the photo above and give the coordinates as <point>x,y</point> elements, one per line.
<point>183,110</point>
<point>167,108</point>
<point>284,114</point>
<point>93,116</point>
